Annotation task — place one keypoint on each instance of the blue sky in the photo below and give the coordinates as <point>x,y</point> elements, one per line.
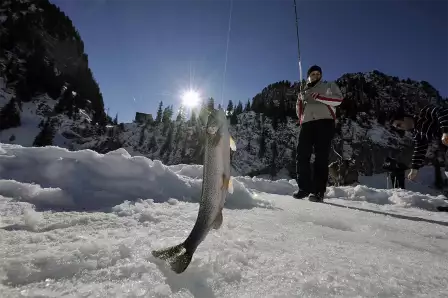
<point>151,50</point>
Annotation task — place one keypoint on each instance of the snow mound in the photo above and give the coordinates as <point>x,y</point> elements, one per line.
<point>398,197</point>
<point>53,177</point>
<point>259,184</point>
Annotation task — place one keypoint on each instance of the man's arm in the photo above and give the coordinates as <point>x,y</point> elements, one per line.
<point>420,149</point>
<point>441,115</point>
<point>334,99</point>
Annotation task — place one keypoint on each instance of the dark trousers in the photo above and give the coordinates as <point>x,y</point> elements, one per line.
<point>315,135</point>
<point>397,179</point>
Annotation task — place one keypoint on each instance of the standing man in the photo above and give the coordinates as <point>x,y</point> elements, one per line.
<point>316,109</point>
<point>431,123</point>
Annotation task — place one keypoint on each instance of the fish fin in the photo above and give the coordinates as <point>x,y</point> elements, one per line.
<point>232,144</point>
<point>227,183</point>
<point>218,220</point>
<point>230,186</point>
<point>177,256</point>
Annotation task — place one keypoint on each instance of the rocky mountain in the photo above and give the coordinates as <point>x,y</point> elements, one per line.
<point>48,96</point>
<point>265,129</point>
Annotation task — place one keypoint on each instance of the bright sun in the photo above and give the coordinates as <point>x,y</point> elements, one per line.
<point>190,98</point>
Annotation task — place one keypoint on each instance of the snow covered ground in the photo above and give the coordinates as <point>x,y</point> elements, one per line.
<point>82,224</point>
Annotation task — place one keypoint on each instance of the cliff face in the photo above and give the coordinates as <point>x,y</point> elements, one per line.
<point>47,92</point>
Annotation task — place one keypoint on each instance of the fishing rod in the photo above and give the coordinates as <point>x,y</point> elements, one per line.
<point>298,46</point>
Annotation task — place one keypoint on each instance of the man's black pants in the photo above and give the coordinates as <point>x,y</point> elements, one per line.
<point>315,135</point>
<point>397,178</point>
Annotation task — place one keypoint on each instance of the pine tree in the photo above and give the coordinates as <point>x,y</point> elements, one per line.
<point>45,136</point>
<point>181,115</point>
<point>178,133</point>
<point>184,149</point>
<point>234,118</point>
<point>230,108</point>
<point>247,107</point>
<point>273,167</point>
<point>262,148</point>
<point>116,119</point>
<point>167,146</point>
<point>239,108</point>
<point>10,115</point>
<point>159,113</point>
<point>275,122</point>
<point>142,136</point>
<point>152,146</point>
<point>66,102</point>
<point>282,111</point>
<point>167,114</point>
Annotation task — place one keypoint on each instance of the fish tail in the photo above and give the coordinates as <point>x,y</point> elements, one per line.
<point>177,256</point>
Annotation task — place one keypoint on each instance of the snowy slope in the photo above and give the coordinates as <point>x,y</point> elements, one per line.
<point>365,242</point>
<point>67,132</point>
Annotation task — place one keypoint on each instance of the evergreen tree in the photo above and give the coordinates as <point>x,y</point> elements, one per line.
<point>262,148</point>
<point>45,136</point>
<point>10,115</point>
<point>142,136</point>
<point>152,146</point>
<point>181,115</point>
<point>167,114</point>
<point>229,108</point>
<point>239,108</point>
<point>282,110</point>
<point>116,119</point>
<point>159,113</point>
<point>233,119</point>
<point>178,133</point>
<point>184,149</point>
<point>273,167</point>
<point>275,122</point>
<point>247,107</point>
<point>167,146</point>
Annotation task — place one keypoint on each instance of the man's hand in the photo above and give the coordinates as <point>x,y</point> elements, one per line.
<point>300,96</point>
<point>445,139</point>
<point>412,174</point>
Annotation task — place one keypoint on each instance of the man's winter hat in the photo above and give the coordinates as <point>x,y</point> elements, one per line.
<point>314,68</point>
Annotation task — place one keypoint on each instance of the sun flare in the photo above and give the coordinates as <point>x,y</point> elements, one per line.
<point>190,98</point>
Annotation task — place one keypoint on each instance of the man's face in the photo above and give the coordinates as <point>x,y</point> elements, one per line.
<point>405,124</point>
<point>314,76</point>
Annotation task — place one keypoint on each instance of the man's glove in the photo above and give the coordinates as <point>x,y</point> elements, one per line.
<point>445,139</point>
<point>412,174</point>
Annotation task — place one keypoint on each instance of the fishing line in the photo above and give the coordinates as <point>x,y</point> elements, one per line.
<point>227,53</point>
